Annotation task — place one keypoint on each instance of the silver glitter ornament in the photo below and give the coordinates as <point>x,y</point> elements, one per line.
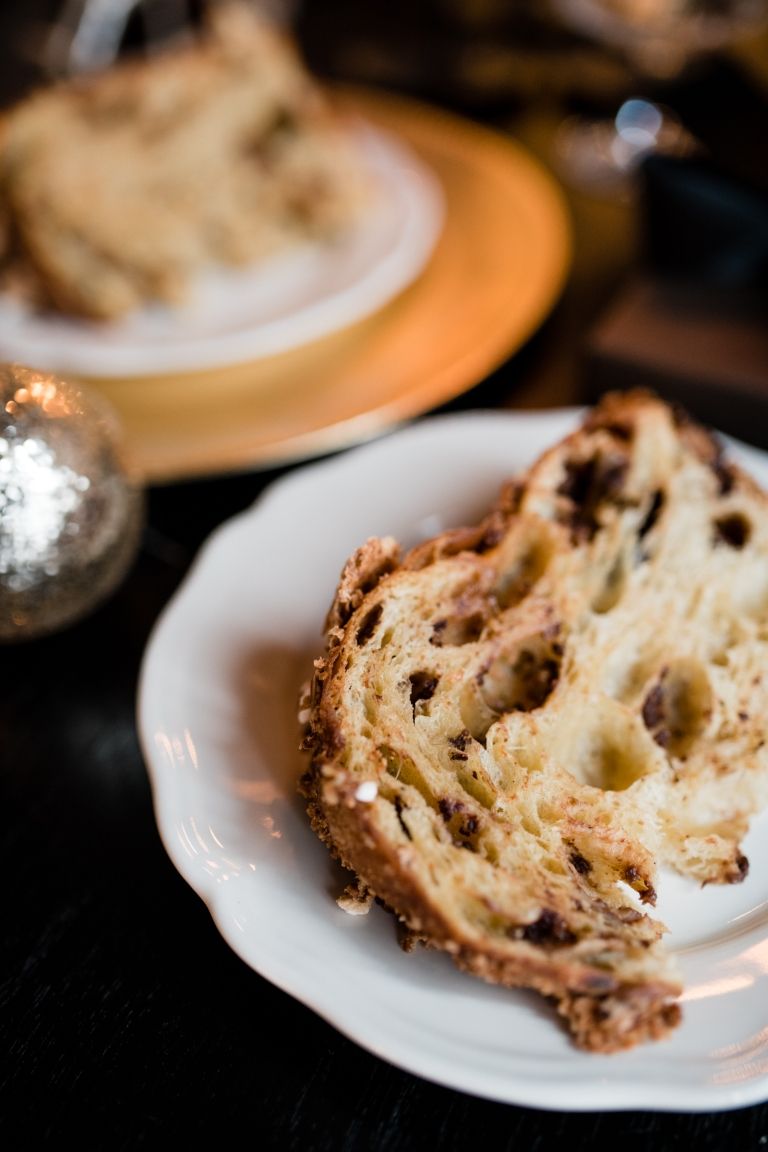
<point>70,513</point>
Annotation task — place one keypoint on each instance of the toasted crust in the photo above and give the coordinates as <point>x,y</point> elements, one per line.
<point>117,189</point>
<point>513,727</point>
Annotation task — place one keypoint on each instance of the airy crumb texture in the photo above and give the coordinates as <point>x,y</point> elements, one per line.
<point>118,189</point>
<point>515,725</point>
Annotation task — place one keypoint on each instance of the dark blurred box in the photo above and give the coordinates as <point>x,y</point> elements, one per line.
<point>693,324</point>
<point>700,346</point>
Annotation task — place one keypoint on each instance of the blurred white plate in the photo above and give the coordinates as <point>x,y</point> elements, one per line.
<point>246,314</point>
<point>217,707</point>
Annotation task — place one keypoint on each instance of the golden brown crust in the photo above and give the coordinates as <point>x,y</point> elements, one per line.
<point>514,726</point>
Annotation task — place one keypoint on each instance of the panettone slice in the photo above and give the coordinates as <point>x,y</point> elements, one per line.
<point>515,726</point>
<point>120,188</point>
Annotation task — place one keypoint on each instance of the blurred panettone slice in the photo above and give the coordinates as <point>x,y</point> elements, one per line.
<point>118,188</point>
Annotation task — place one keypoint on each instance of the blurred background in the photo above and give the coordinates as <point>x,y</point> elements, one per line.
<point>668,285</point>
<point>652,116</point>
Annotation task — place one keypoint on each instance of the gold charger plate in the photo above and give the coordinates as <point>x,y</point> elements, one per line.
<point>497,270</point>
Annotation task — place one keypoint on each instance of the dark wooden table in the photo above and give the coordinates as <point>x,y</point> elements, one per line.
<point>126,1021</point>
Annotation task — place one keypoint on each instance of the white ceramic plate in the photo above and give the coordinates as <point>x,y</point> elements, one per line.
<point>243,315</point>
<point>217,720</point>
